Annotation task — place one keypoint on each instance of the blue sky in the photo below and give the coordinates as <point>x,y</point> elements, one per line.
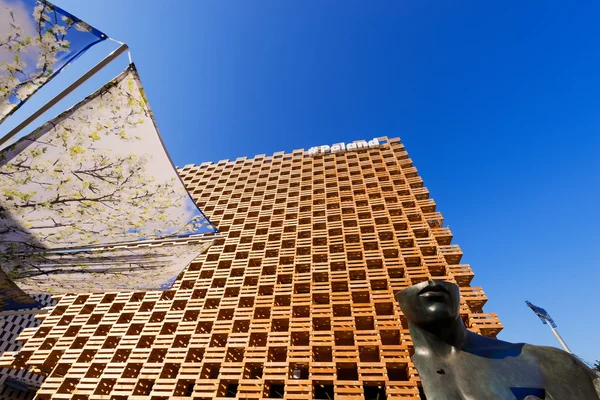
<point>497,104</point>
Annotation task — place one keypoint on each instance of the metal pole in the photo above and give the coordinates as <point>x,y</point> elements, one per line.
<point>560,340</point>
<point>123,48</point>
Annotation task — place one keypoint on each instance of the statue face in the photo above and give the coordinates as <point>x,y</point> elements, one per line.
<point>430,302</point>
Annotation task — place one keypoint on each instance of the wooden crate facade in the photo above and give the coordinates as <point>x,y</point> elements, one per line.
<point>12,326</point>
<point>297,301</point>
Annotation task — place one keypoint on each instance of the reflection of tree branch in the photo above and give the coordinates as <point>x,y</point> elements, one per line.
<point>39,21</point>
<point>25,82</point>
<point>62,225</point>
<point>48,184</point>
<point>40,29</point>
<point>95,172</point>
<point>101,199</point>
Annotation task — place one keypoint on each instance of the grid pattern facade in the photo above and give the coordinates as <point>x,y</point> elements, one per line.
<point>296,301</point>
<point>13,382</point>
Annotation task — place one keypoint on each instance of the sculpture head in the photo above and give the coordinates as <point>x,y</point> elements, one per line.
<point>430,303</point>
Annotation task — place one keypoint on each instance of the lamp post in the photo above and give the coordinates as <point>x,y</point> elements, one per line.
<point>547,320</point>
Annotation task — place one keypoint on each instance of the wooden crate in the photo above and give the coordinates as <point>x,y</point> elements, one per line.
<point>297,300</point>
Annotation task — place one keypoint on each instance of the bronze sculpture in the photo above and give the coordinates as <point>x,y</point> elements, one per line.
<point>457,364</point>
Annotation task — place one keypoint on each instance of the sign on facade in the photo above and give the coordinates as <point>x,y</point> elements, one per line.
<point>340,147</point>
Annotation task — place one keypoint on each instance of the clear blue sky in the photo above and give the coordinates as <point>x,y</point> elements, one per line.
<point>497,103</point>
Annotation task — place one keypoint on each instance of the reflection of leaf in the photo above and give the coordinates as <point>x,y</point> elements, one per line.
<point>76,150</point>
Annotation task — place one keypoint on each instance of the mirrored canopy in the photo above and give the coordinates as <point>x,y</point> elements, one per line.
<point>37,40</point>
<point>95,176</point>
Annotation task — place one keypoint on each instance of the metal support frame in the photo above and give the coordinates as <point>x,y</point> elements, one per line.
<point>116,53</point>
<point>104,246</point>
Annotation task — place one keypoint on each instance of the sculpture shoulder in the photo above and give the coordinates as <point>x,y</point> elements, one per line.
<point>544,349</point>
<point>560,364</point>
<point>547,352</point>
<point>553,356</point>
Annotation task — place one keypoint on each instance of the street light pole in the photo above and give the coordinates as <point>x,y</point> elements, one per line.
<point>560,340</point>
<point>547,320</point>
